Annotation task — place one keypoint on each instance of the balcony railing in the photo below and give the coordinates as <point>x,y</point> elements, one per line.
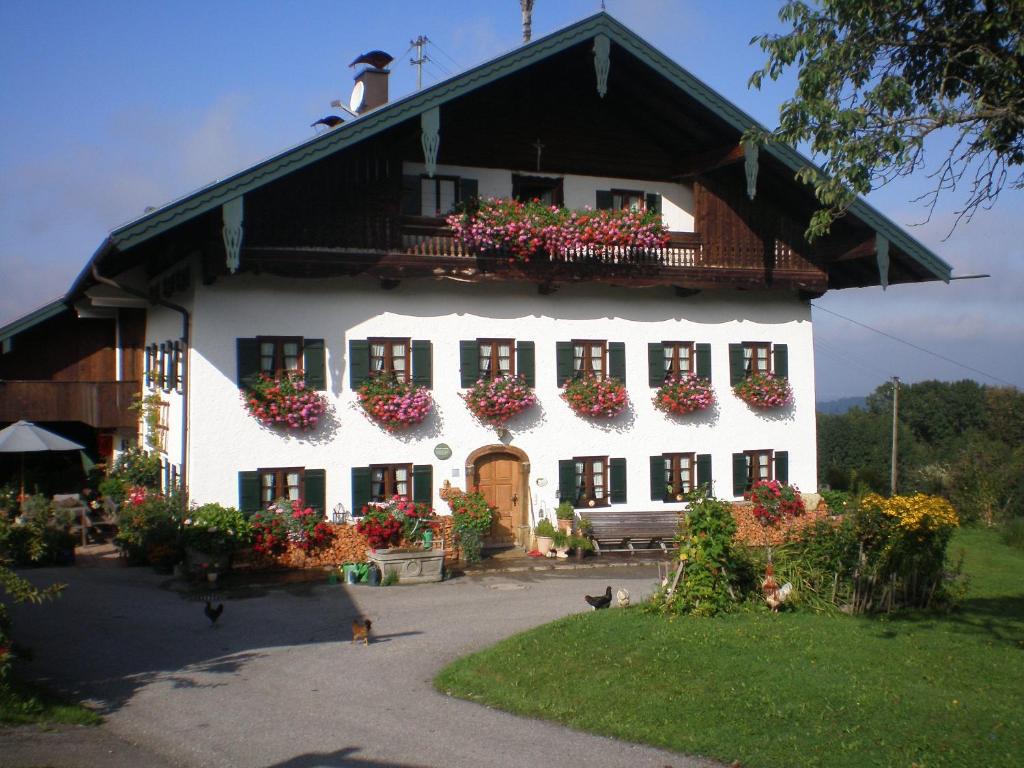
<point>100,404</point>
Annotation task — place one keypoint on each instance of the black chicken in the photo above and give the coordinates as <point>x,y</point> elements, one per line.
<point>601,601</point>
<point>213,613</point>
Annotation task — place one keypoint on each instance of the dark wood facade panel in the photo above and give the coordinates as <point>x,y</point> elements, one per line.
<point>133,341</point>
<point>100,404</point>
<point>63,348</point>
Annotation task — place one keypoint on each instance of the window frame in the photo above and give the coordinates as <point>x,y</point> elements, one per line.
<point>537,186</point>
<point>495,360</point>
<point>390,481</point>
<point>281,481</point>
<point>752,462</point>
<point>586,369</point>
<point>436,180</point>
<point>582,501</point>
<point>753,347</point>
<point>277,366</point>
<point>621,198</point>
<point>676,347</point>
<point>389,357</point>
<point>674,479</point>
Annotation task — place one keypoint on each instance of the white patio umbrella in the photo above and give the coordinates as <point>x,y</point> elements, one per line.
<point>25,437</point>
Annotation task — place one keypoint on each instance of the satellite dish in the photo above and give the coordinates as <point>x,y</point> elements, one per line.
<point>355,102</point>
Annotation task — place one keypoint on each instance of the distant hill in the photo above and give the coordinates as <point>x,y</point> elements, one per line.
<point>842,405</point>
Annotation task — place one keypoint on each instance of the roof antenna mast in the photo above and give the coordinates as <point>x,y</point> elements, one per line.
<point>527,8</point>
<point>418,43</point>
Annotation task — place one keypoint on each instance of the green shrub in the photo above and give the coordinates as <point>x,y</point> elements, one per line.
<point>215,530</point>
<point>1013,532</point>
<point>472,545</point>
<point>134,468</point>
<point>837,501</point>
<point>545,528</point>
<point>39,537</point>
<point>147,521</point>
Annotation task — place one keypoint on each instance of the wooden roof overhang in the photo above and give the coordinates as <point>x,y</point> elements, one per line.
<point>656,121</point>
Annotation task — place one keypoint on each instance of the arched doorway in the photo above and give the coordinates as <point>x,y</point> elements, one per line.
<point>502,474</point>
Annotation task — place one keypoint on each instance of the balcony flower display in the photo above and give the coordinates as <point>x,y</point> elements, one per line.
<point>525,230</point>
<point>396,521</point>
<point>763,390</point>
<point>287,523</point>
<point>774,502</point>
<point>684,393</point>
<point>591,396</point>
<point>394,404</point>
<point>495,401</point>
<point>284,401</point>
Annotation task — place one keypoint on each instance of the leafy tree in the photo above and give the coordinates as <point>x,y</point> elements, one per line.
<point>877,78</point>
<point>937,412</point>
<point>855,450</point>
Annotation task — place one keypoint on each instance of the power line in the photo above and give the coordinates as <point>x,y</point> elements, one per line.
<point>845,356</point>
<point>913,346</point>
<point>443,53</point>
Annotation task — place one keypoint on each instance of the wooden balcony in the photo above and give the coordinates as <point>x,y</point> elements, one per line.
<point>100,404</point>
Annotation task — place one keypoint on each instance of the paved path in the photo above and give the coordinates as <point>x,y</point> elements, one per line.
<point>277,681</point>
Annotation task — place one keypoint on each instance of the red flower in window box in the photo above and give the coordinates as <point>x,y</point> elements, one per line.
<point>498,400</point>
<point>774,501</point>
<point>684,394</point>
<point>284,402</point>
<point>394,404</point>
<point>763,390</point>
<point>591,396</point>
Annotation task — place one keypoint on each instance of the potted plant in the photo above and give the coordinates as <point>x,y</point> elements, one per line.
<point>394,404</point>
<point>284,401</point>
<point>495,401</point>
<point>684,394</point>
<point>763,390</point>
<point>395,531</point>
<point>287,523</point>
<point>545,533</point>
<point>565,514</point>
<point>560,542</point>
<point>580,545</point>
<point>212,534</point>
<point>591,396</point>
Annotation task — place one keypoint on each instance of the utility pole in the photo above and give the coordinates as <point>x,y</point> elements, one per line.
<point>526,6</point>
<point>418,43</point>
<point>895,416</point>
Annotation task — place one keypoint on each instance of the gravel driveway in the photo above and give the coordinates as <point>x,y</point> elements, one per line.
<point>277,682</point>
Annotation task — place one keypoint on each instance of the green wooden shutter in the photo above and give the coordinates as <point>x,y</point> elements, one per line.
<point>422,371</point>
<point>655,364</point>
<point>736,367</point>
<point>358,362</point>
<point>617,479</point>
<point>468,189</point>
<point>653,202</point>
<point>469,362</point>
<point>411,205</point>
<point>526,362</point>
<point>781,363</point>
<point>248,357</point>
<point>603,199</point>
<point>563,361</point>
<point>567,480</point>
<point>617,360</point>
<point>658,485</point>
<point>249,492</point>
<point>739,474</point>
<point>782,466</point>
<point>704,470</point>
<point>315,482</point>
<point>314,364</point>
<point>360,489</point>
<point>423,484</point>
<point>704,361</point>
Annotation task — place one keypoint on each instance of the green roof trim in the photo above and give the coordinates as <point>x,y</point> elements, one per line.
<point>32,319</point>
<point>395,112</point>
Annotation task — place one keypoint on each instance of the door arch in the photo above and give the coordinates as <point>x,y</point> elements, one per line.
<point>501,474</point>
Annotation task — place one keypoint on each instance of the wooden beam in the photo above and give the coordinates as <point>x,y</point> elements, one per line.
<point>703,162</point>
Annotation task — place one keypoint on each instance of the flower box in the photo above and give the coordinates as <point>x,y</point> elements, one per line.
<point>395,405</point>
<point>495,401</point>
<point>410,567</point>
<point>684,394</point>
<point>763,390</point>
<point>284,401</point>
<point>594,397</point>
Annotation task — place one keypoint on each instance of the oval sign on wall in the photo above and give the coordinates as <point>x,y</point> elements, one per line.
<point>443,451</point>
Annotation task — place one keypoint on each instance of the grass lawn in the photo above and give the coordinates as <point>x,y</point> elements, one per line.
<point>786,689</point>
<point>23,703</point>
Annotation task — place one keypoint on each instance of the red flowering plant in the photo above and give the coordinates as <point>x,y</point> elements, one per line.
<point>394,404</point>
<point>287,523</point>
<point>395,522</point>
<point>284,401</point>
<point>684,393</point>
<point>774,501</point>
<point>495,401</point>
<point>525,229</point>
<point>591,396</point>
<point>763,390</point>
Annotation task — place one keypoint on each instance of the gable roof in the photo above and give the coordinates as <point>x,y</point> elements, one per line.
<point>395,112</point>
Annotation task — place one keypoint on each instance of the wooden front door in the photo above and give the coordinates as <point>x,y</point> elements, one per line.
<point>498,478</point>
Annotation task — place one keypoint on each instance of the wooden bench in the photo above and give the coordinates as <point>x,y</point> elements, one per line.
<point>615,531</point>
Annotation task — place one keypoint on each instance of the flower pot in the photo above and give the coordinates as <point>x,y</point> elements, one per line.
<point>415,567</point>
<point>562,552</point>
<point>544,544</point>
<point>580,553</point>
<point>428,539</point>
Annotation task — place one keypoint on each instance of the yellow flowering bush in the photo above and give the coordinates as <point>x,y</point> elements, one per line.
<point>919,513</point>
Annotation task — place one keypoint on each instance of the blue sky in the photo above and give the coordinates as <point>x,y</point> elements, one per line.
<point>109,107</point>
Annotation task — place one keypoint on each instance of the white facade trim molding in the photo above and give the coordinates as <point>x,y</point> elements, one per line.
<point>750,166</point>
<point>233,213</point>
<point>430,138</point>
<point>882,256</point>
<point>602,62</point>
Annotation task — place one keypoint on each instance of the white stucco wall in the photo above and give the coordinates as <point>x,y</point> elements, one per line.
<point>225,439</point>
<point>579,191</point>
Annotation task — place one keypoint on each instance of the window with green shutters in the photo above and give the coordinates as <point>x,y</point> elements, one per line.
<point>408,361</point>
<point>751,466</point>
<point>676,474</point>
<point>490,358</point>
<point>277,355</point>
<point>380,482</point>
<point>592,481</point>
<point>677,358</point>
<point>750,357</point>
<point>258,488</point>
<point>590,357</point>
